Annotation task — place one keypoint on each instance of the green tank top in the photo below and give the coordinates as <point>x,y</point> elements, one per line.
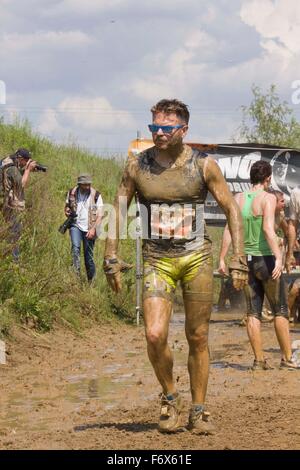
<point>255,241</point>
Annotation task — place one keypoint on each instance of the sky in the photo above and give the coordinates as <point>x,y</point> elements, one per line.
<point>88,72</point>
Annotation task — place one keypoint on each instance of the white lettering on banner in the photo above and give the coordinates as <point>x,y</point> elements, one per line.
<point>233,167</point>
<point>229,166</point>
<point>236,187</point>
<point>296,94</point>
<point>246,164</point>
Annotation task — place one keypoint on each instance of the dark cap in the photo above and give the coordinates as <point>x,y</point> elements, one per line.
<point>23,153</point>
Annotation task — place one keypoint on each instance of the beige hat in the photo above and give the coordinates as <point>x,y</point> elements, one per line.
<point>85,178</point>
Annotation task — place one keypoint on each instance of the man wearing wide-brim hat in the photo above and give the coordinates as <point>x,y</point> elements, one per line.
<point>84,204</point>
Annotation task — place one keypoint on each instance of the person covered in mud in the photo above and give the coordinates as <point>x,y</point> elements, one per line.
<point>172,181</point>
<point>265,264</point>
<point>281,230</point>
<point>294,219</point>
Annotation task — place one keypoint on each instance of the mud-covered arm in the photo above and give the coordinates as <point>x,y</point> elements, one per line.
<point>218,187</point>
<point>225,244</point>
<point>123,198</point>
<point>112,264</point>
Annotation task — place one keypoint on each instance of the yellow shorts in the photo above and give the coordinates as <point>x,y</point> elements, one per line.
<point>194,271</point>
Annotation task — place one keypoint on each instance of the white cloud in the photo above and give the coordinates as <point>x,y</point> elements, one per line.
<point>279,19</point>
<point>49,124</point>
<point>94,113</point>
<point>90,119</point>
<point>181,69</point>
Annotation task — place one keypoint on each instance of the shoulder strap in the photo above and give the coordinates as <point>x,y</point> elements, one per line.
<point>94,195</point>
<point>72,192</point>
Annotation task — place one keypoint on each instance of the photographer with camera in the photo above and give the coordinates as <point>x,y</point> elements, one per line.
<point>84,211</point>
<point>14,177</point>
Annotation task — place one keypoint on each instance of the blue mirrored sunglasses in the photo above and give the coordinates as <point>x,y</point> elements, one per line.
<point>164,129</point>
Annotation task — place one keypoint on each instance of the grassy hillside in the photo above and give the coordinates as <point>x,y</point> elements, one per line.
<point>42,289</point>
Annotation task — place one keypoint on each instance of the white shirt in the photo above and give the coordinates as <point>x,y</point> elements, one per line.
<point>295,204</point>
<point>83,204</point>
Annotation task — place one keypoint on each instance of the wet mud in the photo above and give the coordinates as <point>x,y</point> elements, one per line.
<point>98,391</point>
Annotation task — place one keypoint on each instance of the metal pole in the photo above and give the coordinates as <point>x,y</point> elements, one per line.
<point>138,274</point>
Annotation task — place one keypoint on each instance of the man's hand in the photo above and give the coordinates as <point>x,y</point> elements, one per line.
<point>238,270</point>
<point>30,165</point>
<point>290,262</point>
<point>67,211</point>
<point>112,268</point>
<point>91,234</point>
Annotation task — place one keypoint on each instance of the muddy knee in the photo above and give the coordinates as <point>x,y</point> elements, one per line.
<point>198,339</point>
<point>155,337</point>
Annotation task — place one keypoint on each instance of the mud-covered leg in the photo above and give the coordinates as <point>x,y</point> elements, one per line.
<point>157,307</point>
<point>198,305</point>
<point>276,294</point>
<point>157,312</point>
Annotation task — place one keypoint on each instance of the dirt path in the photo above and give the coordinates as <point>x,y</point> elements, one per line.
<point>60,391</point>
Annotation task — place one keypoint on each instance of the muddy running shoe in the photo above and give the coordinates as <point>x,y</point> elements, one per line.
<point>171,407</point>
<point>199,421</point>
<point>261,365</point>
<point>289,365</point>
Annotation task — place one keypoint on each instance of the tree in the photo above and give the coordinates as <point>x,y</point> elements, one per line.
<point>269,120</point>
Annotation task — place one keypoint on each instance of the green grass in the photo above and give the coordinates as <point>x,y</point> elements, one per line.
<point>42,289</point>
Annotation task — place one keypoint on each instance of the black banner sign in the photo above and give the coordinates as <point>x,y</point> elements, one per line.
<point>235,161</point>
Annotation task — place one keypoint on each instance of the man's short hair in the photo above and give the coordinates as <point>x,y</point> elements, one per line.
<point>172,106</point>
<point>260,171</point>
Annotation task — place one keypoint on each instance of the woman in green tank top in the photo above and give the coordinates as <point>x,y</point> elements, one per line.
<point>255,240</point>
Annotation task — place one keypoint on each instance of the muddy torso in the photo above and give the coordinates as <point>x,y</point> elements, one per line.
<point>172,202</point>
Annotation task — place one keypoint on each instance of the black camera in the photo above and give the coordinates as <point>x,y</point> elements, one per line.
<point>67,223</point>
<point>40,167</point>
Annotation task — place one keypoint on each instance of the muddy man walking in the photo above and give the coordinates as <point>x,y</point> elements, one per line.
<point>172,181</point>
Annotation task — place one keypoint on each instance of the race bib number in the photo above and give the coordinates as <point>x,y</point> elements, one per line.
<point>174,221</point>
